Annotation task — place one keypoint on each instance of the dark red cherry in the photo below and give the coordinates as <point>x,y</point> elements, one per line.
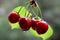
<point>41,27</point>
<point>13,17</point>
<point>34,23</point>
<point>25,23</point>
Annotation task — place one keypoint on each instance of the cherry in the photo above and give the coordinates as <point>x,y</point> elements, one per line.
<point>24,23</point>
<point>41,27</point>
<point>13,17</point>
<point>34,23</point>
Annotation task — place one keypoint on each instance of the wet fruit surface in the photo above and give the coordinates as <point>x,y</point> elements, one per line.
<point>24,23</point>
<point>13,17</point>
<point>34,23</point>
<point>41,27</point>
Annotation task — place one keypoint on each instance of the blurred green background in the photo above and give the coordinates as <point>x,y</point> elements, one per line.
<point>50,11</point>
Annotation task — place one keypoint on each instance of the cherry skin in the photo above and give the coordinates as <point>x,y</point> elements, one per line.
<point>41,27</point>
<point>13,17</point>
<point>34,23</point>
<point>24,23</point>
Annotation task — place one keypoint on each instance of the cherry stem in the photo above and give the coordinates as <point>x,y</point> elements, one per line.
<point>19,11</point>
<point>27,5</point>
<point>39,11</point>
<point>21,8</point>
<point>31,10</point>
<point>27,11</point>
<point>34,13</point>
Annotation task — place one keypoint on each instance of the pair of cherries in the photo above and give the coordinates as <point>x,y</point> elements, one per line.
<point>25,23</point>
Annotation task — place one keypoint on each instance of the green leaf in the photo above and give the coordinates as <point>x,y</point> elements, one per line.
<point>46,35</point>
<point>21,13</point>
<point>15,25</point>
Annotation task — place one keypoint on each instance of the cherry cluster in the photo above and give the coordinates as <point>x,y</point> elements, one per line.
<point>25,23</point>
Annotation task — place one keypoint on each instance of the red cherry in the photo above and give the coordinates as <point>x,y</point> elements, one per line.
<point>41,27</point>
<point>34,23</point>
<point>24,23</point>
<point>13,17</point>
